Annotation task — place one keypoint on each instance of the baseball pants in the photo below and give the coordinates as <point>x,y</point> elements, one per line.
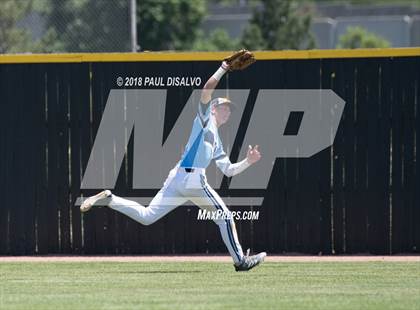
<point>180,187</point>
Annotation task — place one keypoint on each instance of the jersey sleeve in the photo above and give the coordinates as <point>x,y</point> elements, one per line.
<point>203,113</point>
<point>221,159</point>
<point>219,152</point>
<point>225,165</point>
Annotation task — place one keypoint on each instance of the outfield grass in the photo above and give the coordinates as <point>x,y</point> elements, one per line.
<point>200,285</point>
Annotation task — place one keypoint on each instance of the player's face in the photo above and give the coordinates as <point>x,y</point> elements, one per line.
<point>222,113</point>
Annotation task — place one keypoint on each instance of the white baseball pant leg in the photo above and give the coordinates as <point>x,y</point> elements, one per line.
<point>208,199</point>
<point>166,200</point>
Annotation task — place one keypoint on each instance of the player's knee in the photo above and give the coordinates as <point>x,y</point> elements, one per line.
<point>219,222</point>
<point>149,220</point>
<point>146,222</point>
<point>223,218</point>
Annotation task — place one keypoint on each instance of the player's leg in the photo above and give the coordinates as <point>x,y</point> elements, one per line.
<point>164,202</point>
<point>210,200</point>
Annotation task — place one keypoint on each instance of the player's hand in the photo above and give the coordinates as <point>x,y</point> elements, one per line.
<point>225,65</point>
<point>253,155</point>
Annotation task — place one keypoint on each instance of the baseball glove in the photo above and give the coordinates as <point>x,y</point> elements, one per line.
<point>240,60</point>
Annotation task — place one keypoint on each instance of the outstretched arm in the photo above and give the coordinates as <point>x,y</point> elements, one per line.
<point>237,61</point>
<point>212,83</point>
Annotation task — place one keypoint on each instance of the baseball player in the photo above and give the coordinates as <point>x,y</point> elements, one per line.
<point>187,180</point>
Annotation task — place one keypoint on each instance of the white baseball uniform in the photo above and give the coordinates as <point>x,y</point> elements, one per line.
<point>187,181</point>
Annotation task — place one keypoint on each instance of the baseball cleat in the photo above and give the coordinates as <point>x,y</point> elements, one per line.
<point>249,262</point>
<point>89,202</point>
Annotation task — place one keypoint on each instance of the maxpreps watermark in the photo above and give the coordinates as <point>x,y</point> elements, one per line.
<point>231,215</point>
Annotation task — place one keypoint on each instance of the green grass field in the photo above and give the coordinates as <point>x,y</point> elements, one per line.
<point>203,285</point>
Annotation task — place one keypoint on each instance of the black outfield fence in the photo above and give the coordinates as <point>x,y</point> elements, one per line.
<point>362,195</point>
